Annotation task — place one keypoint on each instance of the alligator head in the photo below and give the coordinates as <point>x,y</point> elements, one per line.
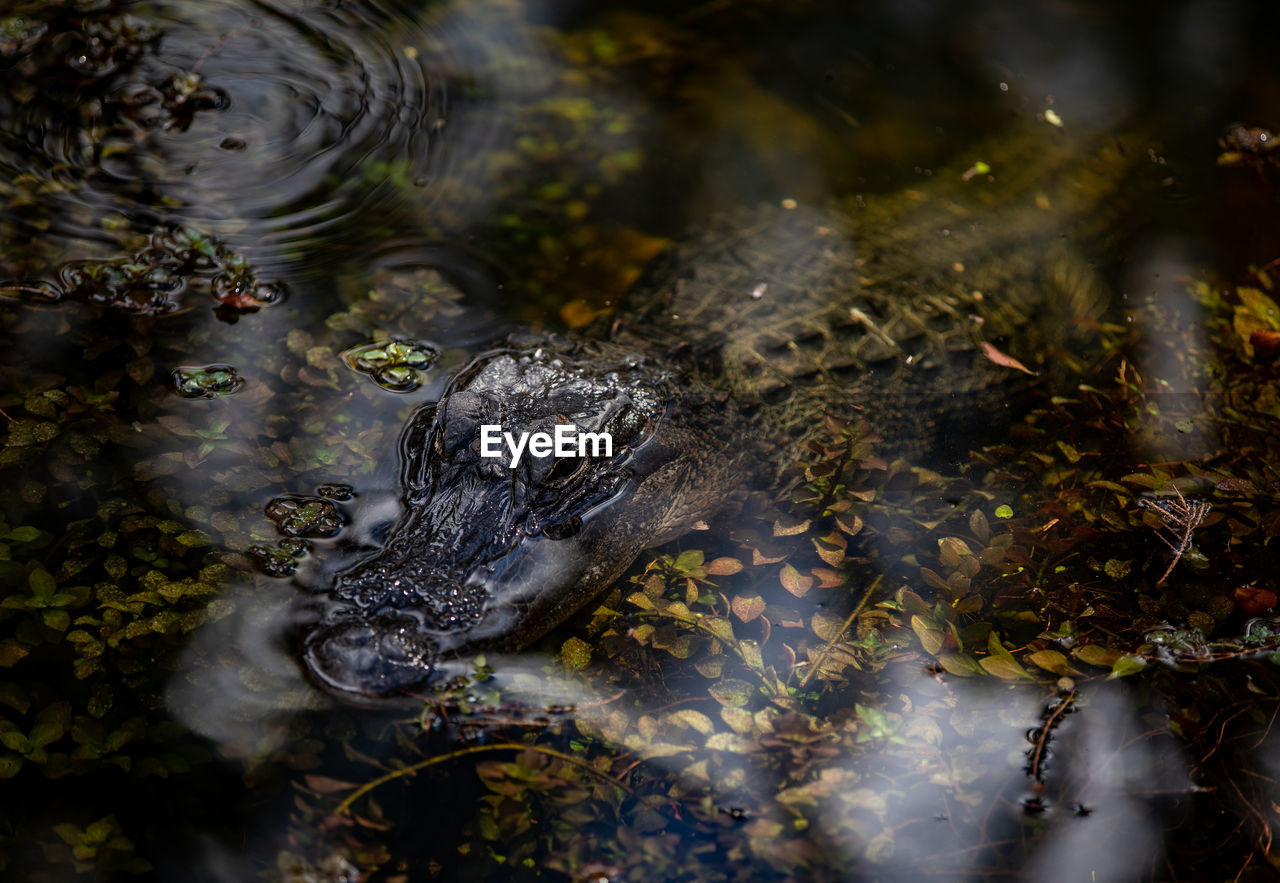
<point>493,551</point>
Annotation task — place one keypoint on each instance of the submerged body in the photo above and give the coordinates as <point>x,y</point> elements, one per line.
<point>732,350</point>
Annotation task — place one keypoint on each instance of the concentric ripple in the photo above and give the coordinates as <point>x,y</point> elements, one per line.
<point>275,126</point>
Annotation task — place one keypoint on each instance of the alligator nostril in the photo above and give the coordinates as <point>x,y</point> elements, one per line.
<point>376,658</point>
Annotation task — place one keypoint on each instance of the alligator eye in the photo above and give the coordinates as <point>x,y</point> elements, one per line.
<point>562,471</point>
<point>626,424</point>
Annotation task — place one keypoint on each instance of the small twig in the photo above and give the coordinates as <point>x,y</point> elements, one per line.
<point>1046,730</point>
<point>30,291</point>
<point>1180,518</point>
<point>364,789</point>
<point>826,651</point>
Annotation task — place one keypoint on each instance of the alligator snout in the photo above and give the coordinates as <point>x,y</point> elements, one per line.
<point>383,655</point>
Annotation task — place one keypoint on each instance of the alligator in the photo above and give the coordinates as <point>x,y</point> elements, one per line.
<point>918,312</point>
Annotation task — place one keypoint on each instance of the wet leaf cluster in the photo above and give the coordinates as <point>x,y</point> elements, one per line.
<point>393,364</point>
<point>175,267</point>
<point>205,381</point>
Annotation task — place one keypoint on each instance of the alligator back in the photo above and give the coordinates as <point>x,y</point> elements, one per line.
<point>898,308</point>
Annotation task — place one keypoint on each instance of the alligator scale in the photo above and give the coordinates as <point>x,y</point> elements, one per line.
<point>728,354</point>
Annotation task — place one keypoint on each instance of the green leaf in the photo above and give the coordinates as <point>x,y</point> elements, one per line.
<point>730,692</point>
<point>1000,662</point>
<point>98,831</point>
<point>931,637</point>
<point>1005,669</point>
<point>575,653</point>
<point>872,716</point>
<point>1096,654</point>
<point>42,583</point>
<point>960,665</point>
<point>1117,569</point>
<point>11,653</point>
<point>695,720</point>
<point>1052,661</point>
<point>1127,665</point>
<point>51,724</point>
<point>57,619</point>
<point>689,560</point>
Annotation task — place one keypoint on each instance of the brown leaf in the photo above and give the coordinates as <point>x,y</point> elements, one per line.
<point>794,582</point>
<point>789,526</point>
<point>1266,344</point>
<point>1255,601</point>
<point>724,567</point>
<point>828,578</point>
<point>758,558</point>
<point>748,608</point>
<point>1003,360</point>
<point>849,523</point>
<point>832,555</point>
<point>327,786</point>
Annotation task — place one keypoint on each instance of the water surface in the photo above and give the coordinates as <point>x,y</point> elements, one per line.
<point>241,242</point>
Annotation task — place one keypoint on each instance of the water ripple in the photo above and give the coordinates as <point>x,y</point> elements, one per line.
<point>278,127</point>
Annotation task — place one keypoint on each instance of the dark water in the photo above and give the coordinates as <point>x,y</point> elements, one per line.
<point>215,216</point>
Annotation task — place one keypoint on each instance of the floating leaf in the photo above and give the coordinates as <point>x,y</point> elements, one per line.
<point>831,553</point>
<point>695,720</point>
<point>979,526</point>
<point>1127,665</point>
<point>1096,654</point>
<point>1052,661</point>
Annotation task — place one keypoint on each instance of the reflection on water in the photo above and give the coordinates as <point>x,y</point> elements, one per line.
<point>240,242</point>
<point>279,127</point>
